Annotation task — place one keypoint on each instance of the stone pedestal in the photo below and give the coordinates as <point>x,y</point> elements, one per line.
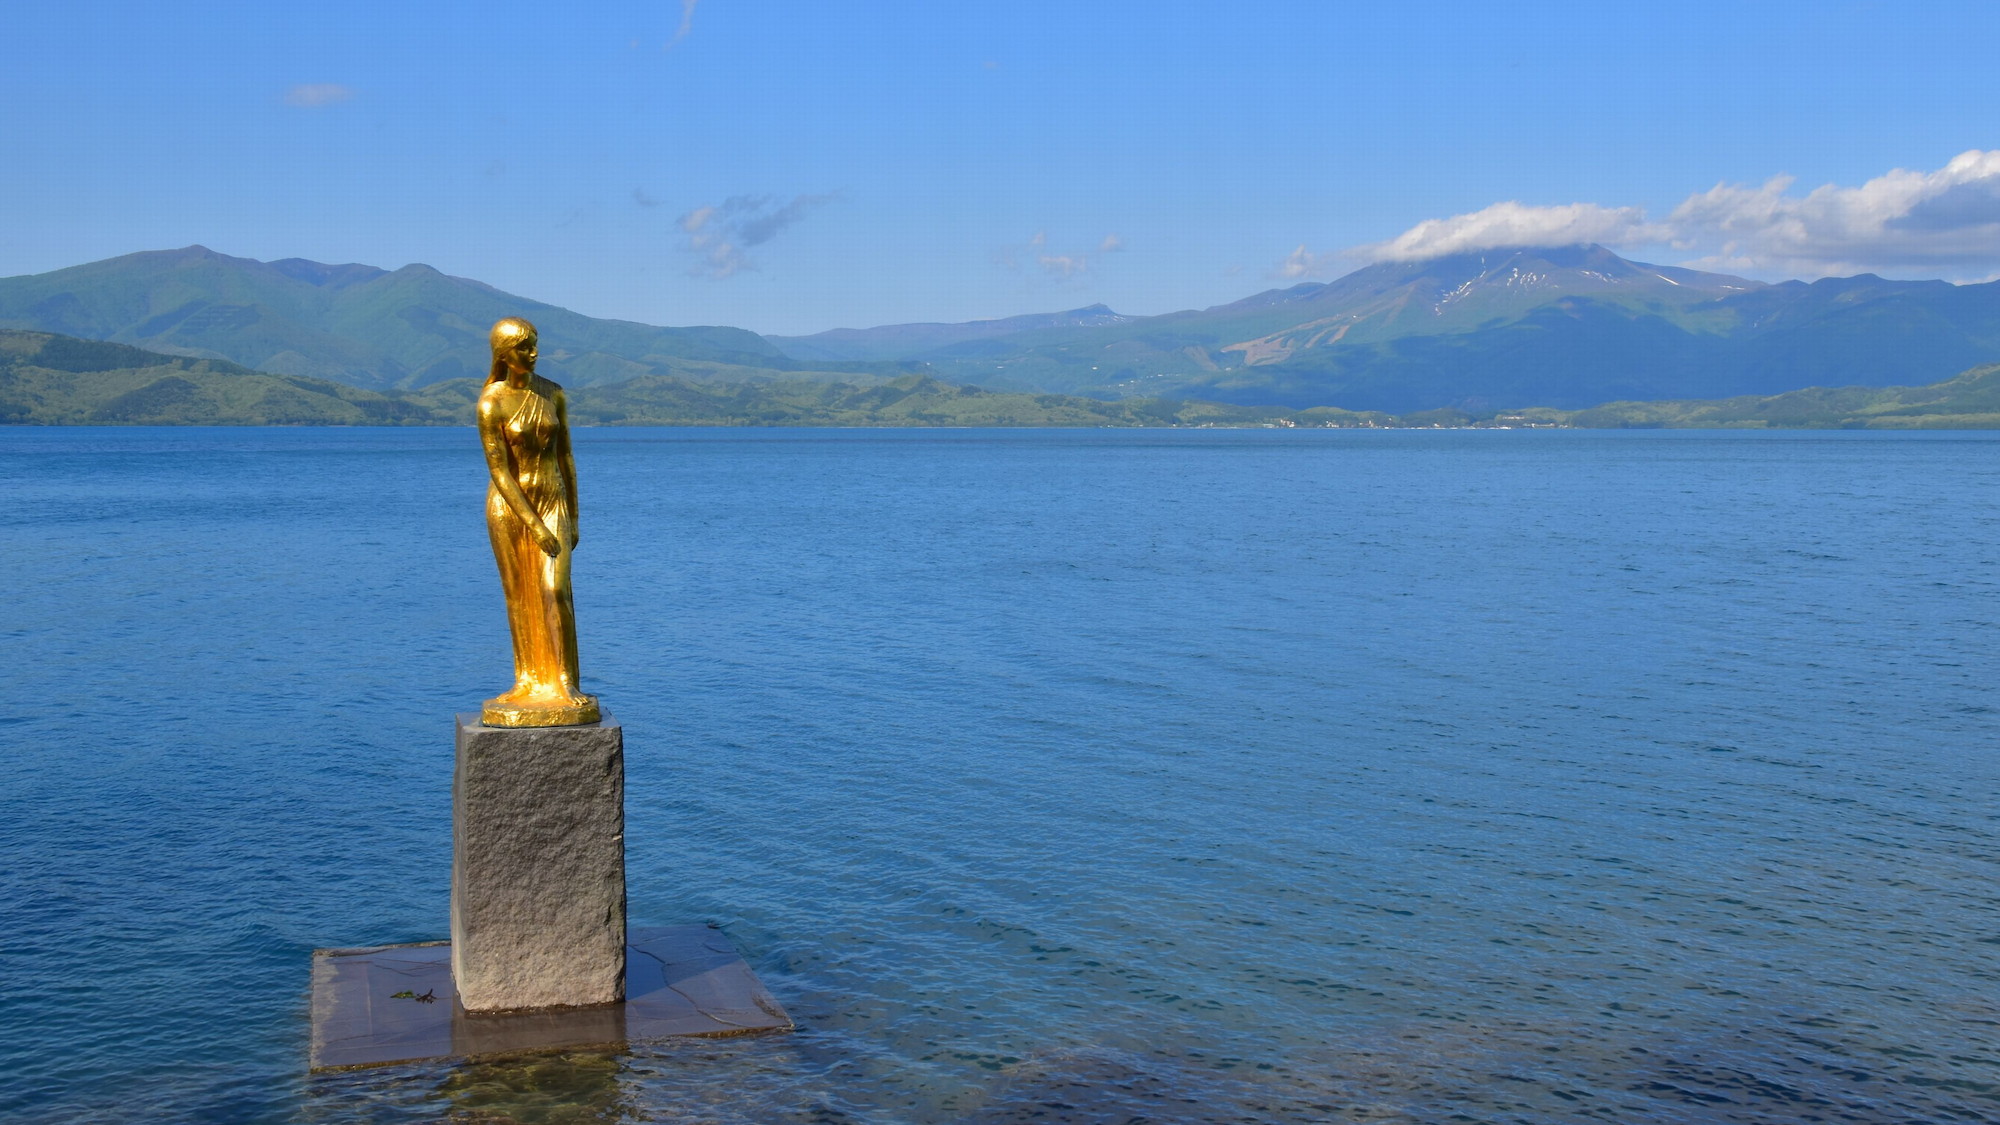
<point>538,866</point>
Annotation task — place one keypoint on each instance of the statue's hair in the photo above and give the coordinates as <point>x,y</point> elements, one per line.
<point>507,331</point>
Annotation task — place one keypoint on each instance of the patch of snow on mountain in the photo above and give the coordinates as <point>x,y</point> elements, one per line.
<point>1447,298</point>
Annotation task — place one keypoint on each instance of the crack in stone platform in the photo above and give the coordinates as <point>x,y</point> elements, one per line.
<point>679,980</point>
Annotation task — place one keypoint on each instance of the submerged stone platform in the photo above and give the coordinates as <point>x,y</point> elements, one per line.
<point>396,1003</point>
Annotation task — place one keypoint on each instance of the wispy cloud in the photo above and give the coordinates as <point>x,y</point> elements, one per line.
<point>1302,263</point>
<point>1061,266</point>
<point>720,235</point>
<point>640,197</point>
<point>1945,221</point>
<point>760,225</point>
<point>687,23</point>
<point>315,95</point>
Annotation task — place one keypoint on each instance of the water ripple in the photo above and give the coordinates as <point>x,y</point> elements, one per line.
<point>1075,777</point>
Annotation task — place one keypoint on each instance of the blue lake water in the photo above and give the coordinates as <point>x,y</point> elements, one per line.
<point>1096,776</point>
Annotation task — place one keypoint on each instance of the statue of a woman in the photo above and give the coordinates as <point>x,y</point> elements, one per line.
<point>531,516</point>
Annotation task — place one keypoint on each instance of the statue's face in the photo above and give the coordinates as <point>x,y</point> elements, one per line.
<point>520,355</point>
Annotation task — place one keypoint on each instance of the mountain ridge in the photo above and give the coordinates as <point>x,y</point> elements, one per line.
<point>1388,292</point>
<point>1560,327</point>
<point>361,325</point>
<point>1557,326</point>
<point>47,379</point>
<point>885,341</point>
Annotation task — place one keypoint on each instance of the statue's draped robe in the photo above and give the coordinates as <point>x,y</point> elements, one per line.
<point>540,612</point>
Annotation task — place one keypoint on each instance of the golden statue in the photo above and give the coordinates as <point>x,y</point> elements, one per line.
<point>531,516</point>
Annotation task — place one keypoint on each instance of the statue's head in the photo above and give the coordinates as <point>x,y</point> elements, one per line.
<point>514,346</point>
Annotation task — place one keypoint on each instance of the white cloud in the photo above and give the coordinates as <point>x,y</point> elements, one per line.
<point>719,235</point>
<point>1945,222</point>
<point>1061,266</point>
<point>1301,263</point>
<point>687,23</point>
<point>1513,224</point>
<point>314,95</point>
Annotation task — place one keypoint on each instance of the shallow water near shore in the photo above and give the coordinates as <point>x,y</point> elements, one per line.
<point>1078,776</point>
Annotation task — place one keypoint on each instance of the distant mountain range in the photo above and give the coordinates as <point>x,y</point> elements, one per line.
<point>1566,327</point>
<point>52,380</point>
<point>353,324</point>
<point>1563,328</point>
<point>1969,401</point>
<point>47,379</point>
<point>904,341</point>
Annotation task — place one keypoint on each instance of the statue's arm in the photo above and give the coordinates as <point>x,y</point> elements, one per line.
<point>567,462</point>
<point>503,476</point>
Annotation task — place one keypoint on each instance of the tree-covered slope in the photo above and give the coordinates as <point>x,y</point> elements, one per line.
<point>901,341</point>
<point>1564,327</point>
<point>1304,335</point>
<point>59,380</point>
<point>48,379</point>
<point>356,324</point>
<point>1969,401</point>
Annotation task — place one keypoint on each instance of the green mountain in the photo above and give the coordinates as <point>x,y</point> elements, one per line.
<point>59,380</point>
<point>912,400</point>
<point>47,379</point>
<point>355,324</point>
<point>898,341</point>
<point>1971,401</point>
<point>1563,327</point>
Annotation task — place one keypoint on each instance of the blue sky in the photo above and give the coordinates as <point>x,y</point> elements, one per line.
<point>793,167</point>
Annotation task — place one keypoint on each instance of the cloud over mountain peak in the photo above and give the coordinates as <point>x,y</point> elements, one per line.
<point>1944,220</point>
<point>1515,224</point>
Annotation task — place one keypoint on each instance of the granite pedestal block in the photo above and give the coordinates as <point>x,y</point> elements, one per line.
<point>538,866</point>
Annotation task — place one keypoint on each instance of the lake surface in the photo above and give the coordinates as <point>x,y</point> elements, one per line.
<point>1060,776</point>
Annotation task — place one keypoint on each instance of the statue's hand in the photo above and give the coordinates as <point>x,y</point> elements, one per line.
<point>547,541</point>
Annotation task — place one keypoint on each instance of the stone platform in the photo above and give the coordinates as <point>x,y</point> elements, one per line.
<point>680,980</point>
